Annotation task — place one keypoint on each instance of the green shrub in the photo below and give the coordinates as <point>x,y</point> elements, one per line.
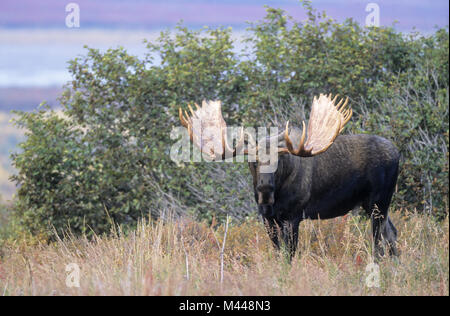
<point>106,159</point>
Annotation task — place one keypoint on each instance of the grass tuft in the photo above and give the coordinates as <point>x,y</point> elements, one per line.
<point>183,257</point>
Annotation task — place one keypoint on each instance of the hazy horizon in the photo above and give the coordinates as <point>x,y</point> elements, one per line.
<point>157,14</point>
<point>36,44</point>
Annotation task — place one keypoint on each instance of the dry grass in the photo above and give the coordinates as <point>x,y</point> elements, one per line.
<point>182,257</point>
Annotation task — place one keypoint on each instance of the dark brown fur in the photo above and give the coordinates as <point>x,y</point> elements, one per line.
<point>355,170</point>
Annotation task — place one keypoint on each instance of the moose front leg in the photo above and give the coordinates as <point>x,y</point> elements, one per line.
<point>273,228</point>
<point>287,231</point>
<point>290,237</point>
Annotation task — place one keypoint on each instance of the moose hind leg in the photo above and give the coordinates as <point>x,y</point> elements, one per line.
<point>384,233</point>
<point>389,231</point>
<point>390,236</point>
<point>378,219</point>
<point>378,223</point>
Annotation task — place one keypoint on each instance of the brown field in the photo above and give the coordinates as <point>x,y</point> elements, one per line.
<point>183,257</point>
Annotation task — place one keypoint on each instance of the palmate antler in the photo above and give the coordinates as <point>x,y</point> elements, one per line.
<point>208,130</point>
<point>326,121</point>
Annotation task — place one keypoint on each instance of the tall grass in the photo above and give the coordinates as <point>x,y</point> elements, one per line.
<point>183,257</point>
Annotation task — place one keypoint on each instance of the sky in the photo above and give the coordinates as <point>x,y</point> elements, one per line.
<point>153,14</point>
<point>36,42</point>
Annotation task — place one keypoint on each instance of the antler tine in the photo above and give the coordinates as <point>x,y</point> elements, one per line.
<point>346,113</point>
<point>326,121</point>
<point>347,118</point>
<point>183,120</point>
<point>339,107</point>
<point>335,98</point>
<point>188,118</point>
<point>192,111</point>
<point>290,147</point>
<point>287,139</point>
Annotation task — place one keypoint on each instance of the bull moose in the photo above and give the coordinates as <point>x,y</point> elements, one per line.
<point>326,176</point>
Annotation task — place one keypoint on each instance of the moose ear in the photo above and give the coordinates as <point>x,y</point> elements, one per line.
<point>252,166</point>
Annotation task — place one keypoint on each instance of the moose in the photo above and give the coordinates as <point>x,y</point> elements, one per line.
<point>327,175</point>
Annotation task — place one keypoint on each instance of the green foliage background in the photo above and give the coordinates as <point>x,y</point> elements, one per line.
<point>106,159</point>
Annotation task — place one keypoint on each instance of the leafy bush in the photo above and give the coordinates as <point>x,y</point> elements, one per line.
<point>106,159</point>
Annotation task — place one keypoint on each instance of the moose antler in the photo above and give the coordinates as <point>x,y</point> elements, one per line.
<point>208,130</point>
<point>326,121</point>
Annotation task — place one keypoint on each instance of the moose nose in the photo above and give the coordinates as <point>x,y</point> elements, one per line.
<point>266,210</point>
<point>265,188</point>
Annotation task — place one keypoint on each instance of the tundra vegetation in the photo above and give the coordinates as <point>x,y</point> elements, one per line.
<point>96,185</point>
<point>183,257</point>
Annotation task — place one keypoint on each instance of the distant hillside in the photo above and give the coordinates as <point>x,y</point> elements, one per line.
<point>27,98</point>
<point>24,99</point>
<point>10,137</point>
